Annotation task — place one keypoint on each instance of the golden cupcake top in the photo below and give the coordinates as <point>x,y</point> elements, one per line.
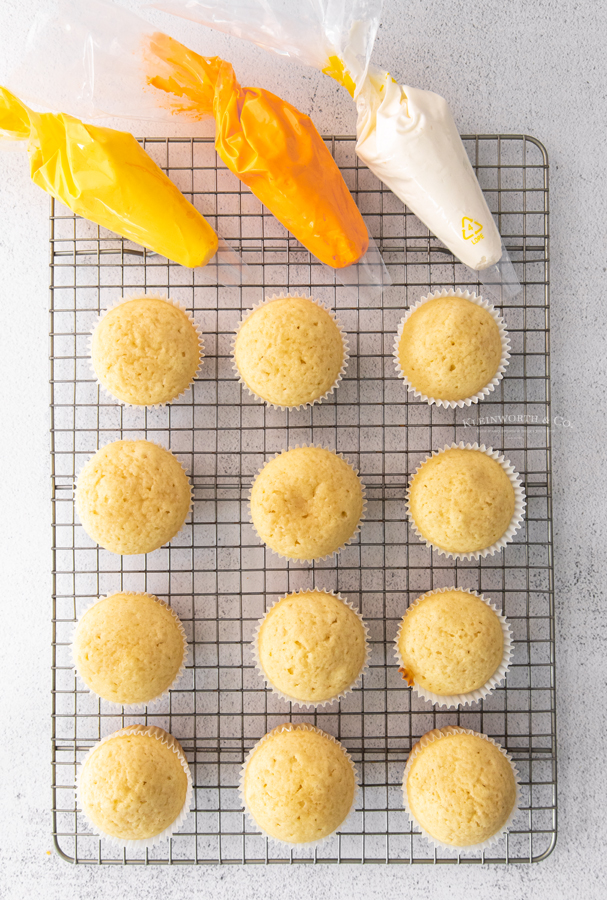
<point>460,788</point>
<point>450,348</point>
<point>289,351</point>
<point>145,351</point>
<point>133,786</point>
<point>461,500</point>
<point>132,497</point>
<point>450,642</point>
<point>306,503</point>
<point>129,648</point>
<point>311,646</point>
<point>298,785</point>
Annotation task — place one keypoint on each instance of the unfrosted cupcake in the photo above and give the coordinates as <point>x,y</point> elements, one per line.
<point>460,787</point>
<point>146,351</point>
<point>311,647</point>
<point>132,497</point>
<point>453,647</point>
<point>135,785</point>
<point>290,352</point>
<point>306,503</point>
<point>129,648</point>
<point>465,501</point>
<point>452,348</point>
<point>298,784</point>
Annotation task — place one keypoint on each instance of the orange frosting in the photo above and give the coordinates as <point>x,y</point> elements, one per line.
<point>267,143</point>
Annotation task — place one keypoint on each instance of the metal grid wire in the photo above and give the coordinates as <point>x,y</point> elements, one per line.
<point>216,575</point>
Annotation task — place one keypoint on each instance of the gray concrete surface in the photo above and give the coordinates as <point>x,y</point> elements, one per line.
<point>511,67</point>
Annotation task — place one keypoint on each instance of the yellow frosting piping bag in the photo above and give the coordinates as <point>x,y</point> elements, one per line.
<point>105,176</point>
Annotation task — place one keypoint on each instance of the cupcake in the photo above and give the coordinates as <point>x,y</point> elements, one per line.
<point>306,503</point>
<point>132,497</point>
<point>311,647</point>
<point>451,348</point>
<point>453,647</point>
<point>135,786</point>
<point>129,648</point>
<point>465,501</point>
<point>298,784</point>
<point>460,788</point>
<point>290,352</point>
<point>145,351</point>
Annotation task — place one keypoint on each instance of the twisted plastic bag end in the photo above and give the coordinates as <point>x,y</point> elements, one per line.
<point>184,81</point>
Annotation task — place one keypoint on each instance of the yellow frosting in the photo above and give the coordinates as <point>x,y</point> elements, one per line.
<point>299,785</point>
<point>461,500</point>
<point>461,789</point>
<point>145,351</point>
<point>306,503</point>
<point>128,648</point>
<point>311,646</point>
<point>132,497</point>
<point>133,786</point>
<point>450,642</point>
<point>450,348</point>
<point>289,351</point>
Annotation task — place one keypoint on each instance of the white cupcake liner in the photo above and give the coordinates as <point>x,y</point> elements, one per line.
<point>158,734</point>
<point>310,703</point>
<point>504,360</point>
<point>133,708</point>
<point>151,295</point>
<point>344,339</point>
<point>437,734</point>
<point>304,726</point>
<point>354,533</point>
<point>517,515</point>
<point>190,508</point>
<point>455,700</point>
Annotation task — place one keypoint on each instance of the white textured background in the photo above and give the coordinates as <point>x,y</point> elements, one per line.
<point>517,66</point>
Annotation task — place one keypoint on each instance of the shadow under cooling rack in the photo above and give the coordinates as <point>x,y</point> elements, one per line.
<point>218,577</point>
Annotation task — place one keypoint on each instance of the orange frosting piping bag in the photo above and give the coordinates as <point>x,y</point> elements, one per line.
<point>268,144</point>
<point>105,176</point>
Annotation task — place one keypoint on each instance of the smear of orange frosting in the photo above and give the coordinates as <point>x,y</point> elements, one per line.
<point>407,676</point>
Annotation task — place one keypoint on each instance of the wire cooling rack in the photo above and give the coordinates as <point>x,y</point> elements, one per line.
<point>219,579</point>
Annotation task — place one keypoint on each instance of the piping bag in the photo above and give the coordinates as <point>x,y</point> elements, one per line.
<point>406,136</point>
<point>105,176</point>
<point>100,60</point>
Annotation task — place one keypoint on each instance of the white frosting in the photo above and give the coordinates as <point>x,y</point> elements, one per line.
<point>409,139</point>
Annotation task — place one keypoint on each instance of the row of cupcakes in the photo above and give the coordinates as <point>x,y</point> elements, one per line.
<point>451,348</point>
<point>453,647</point>
<point>299,786</point>
<point>465,501</point>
